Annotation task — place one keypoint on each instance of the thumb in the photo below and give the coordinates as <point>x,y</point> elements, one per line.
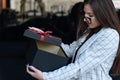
<point>32,68</point>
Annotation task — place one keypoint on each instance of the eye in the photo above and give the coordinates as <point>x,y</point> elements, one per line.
<point>91,15</point>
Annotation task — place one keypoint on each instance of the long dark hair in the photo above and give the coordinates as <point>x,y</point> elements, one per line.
<point>105,13</point>
<point>76,12</point>
<point>77,16</point>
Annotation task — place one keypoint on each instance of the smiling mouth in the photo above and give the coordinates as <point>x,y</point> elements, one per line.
<point>87,20</point>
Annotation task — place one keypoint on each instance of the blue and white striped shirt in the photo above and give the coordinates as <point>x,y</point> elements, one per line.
<point>93,60</point>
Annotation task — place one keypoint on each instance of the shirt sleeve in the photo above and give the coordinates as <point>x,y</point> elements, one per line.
<point>105,46</point>
<point>69,49</point>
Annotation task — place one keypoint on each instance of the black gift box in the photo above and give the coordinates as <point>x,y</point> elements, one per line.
<point>52,40</point>
<point>45,55</point>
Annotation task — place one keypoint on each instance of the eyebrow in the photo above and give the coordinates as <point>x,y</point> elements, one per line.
<point>89,13</point>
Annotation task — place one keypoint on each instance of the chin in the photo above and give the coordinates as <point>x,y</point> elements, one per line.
<point>91,27</point>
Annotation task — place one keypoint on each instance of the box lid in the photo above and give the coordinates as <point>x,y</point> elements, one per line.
<point>49,39</point>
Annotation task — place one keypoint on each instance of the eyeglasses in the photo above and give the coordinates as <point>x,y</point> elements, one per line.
<point>88,20</point>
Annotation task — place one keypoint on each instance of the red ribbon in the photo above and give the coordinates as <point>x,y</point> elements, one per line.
<point>41,32</point>
<point>44,34</point>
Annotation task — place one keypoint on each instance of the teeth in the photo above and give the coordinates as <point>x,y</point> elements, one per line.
<point>88,21</point>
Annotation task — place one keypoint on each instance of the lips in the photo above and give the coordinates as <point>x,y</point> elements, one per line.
<point>87,20</point>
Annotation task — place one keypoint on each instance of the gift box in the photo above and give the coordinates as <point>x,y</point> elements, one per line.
<point>46,55</point>
<point>44,38</point>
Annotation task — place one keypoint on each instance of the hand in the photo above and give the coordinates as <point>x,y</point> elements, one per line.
<point>36,29</point>
<point>34,72</point>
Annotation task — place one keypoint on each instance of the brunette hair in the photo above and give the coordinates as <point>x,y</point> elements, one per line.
<point>77,16</point>
<point>105,13</point>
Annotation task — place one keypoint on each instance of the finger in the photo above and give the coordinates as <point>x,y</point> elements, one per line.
<point>29,27</point>
<point>30,72</point>
<point>33,68</point>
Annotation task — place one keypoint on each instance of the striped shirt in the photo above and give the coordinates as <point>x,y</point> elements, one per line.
<point>93,60</point>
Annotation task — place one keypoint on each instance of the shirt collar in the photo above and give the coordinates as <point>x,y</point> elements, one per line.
<point>97,29</point>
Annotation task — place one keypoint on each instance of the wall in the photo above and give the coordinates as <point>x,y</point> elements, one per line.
<point>54,5</point>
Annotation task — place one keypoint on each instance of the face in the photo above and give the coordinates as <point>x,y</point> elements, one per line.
<point>90,18</point>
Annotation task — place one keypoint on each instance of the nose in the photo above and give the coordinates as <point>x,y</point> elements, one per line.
<point>86,15</point>
<point>84,20</point>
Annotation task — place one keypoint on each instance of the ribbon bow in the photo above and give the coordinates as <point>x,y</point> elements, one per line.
<point>41,32</point>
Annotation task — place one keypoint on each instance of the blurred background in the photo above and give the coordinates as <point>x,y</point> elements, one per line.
<point>17,15</point>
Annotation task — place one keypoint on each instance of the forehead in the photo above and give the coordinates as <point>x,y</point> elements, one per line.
<point>87,8</point>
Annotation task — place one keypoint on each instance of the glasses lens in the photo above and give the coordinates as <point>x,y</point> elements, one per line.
<point>88,20</point>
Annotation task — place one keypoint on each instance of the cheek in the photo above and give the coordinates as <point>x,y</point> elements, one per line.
<point>95,23</point>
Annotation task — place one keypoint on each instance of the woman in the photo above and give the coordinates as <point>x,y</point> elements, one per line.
<point>96,50</point>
